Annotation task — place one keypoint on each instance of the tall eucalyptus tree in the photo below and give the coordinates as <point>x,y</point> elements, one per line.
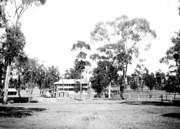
<point>121,39</point>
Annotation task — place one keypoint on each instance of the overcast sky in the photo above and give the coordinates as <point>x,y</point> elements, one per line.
<point>50,30</point>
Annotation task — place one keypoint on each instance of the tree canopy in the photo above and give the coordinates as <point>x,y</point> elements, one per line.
<point>81,58</point>
<point>103,75</point>
<point>121,38</point>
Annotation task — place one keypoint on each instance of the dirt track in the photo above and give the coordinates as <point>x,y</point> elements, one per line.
<point>90,115</point>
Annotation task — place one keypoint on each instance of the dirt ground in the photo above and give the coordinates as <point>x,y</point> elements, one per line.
<point>94,114</point>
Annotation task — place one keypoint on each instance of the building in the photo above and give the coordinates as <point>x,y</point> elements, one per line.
<point>68,87</point>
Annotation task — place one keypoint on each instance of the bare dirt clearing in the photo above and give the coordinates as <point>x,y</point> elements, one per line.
<point>97,114</point>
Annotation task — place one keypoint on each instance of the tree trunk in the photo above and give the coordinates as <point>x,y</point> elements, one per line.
<point>19,92</point>
<point>89,90</point>
<point>19,88</point>
<point>142,84</point>
<point>30,94</point>
<point>174,95</point>
<point>124,82</point>
<point>80,89</point>
<point>6,85</point>
<point>109,91</point>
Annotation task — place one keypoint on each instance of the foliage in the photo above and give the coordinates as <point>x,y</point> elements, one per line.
<point>52,75</point>
<point>13,47</point>
<point>173,54</point>
<point>11,50</point>
<point>18,83</point>
<point>149,80</point>
<point>103,75</point>
<point>172,84</point>
<point>81,59</point>
<point>31,72</point>
<point>3,19</point>
<point>72,74</point>
<point>160,80</point>
<point>121,36</point>
<point>2,73</point>
<point>134,82</point>
<point>140,70</point>
<point>35,73</point>
<point>81,45</point>
<point>18,8</point>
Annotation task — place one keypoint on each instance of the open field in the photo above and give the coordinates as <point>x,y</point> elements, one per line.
<point>94,114</point>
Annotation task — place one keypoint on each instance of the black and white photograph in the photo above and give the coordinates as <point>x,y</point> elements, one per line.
<point>89,64</point>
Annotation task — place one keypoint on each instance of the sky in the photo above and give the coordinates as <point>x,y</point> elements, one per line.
<point>52,29</point>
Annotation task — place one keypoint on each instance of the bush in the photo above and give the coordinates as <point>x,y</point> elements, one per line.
<point>133,84</point>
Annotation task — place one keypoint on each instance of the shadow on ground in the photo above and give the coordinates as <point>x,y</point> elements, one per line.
<point>174,115</point>
<point>16,99</point>
<point>156,103</point>
<point>19,100</point>
<point>18,112</point>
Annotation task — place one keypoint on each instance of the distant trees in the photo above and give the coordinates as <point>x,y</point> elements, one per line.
<point>53,75</point>
<point>121,38</point>
<point>72,74</point>
<point>160,80</point>
<point>33,74</point>
<point>134,81</point>
<point>149,80</point>
<point>140,71</point>
<point>81,58</point>
<point>81,62</point>
<point>38,74</point>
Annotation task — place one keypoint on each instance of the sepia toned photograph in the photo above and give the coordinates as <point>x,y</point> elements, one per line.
<point>89,64</point>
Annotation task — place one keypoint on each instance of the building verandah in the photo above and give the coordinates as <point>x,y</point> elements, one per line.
<point>69,87</point>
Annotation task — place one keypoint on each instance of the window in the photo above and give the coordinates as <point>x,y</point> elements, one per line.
<point>71,89</point>
<point>12,93</point>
